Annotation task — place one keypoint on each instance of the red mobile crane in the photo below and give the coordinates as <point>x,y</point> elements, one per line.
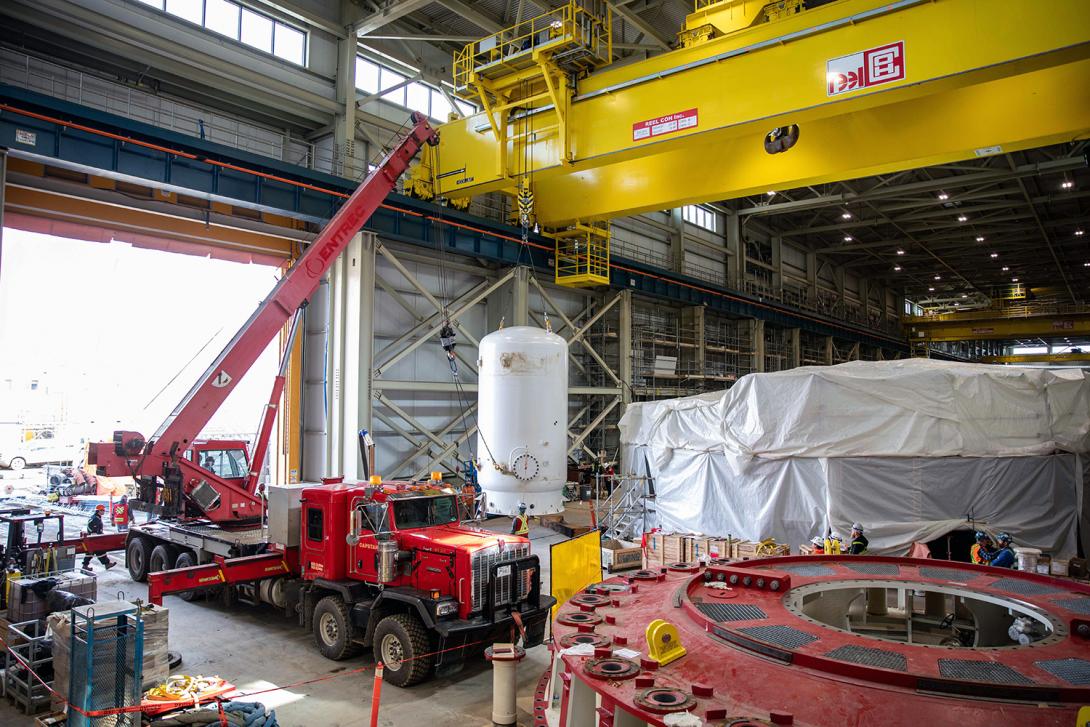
<point>385,565</point>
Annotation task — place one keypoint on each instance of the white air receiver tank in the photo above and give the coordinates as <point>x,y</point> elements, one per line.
<point>522,442</point>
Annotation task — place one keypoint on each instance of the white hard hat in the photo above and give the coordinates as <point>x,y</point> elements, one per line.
<point>857,526</point>
<point>836,537</point>
<point>522,506</point>
<point>818,541</point>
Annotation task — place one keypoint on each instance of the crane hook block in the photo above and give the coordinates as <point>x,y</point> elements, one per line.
<point>663,642</point>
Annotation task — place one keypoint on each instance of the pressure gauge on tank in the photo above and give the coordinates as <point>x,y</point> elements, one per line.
<point>525,466</point>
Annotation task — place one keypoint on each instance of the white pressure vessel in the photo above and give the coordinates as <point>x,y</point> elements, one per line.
<point>522,441</point>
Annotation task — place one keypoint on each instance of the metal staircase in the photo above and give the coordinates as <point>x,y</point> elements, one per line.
<point>623,512</point>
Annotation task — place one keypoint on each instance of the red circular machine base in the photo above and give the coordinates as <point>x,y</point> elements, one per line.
<point>774,652</point>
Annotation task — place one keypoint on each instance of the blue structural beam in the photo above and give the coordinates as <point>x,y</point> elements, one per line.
<point>51,130</point>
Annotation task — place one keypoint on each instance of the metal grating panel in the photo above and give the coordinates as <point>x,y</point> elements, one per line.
<point>946,574</point>
<point>481,564</point>
<point>870,657</point>
<point>1078,605</point>
<point>874,569</point>
<point>981,671</point>
<point>785,636</point>
<point>806,570</point>
<point>1072,671</point>
<point>1024,587</point>
<point>731,611</point>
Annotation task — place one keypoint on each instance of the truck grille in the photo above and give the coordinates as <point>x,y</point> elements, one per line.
<point>482,563</point>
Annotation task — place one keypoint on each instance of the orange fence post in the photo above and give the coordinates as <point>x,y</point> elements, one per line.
<point>376,694</point>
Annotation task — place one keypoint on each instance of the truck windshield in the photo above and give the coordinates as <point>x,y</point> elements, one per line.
<point>419,512</point>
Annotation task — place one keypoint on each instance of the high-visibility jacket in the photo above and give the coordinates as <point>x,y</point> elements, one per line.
<point>520,525</point>
<point>978,555</point>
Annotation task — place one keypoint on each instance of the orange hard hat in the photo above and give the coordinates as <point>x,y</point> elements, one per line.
<point>99,507</point>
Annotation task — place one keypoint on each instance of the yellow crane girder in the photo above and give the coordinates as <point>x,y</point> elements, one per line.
<point>954,327</point>
<point>1025,358</point>
<point>874,86</point>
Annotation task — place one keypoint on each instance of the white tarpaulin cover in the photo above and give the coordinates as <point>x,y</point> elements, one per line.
<point>910,448</point>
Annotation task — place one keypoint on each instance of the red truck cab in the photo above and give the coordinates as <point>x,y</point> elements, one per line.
<point>397,552</point>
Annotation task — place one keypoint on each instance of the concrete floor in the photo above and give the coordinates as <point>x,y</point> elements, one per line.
<point>257,648</point>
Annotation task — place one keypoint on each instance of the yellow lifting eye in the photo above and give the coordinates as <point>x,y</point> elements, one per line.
<point>663,642</point>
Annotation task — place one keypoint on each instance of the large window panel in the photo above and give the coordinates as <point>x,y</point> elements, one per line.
<point>366,75</point>
<point>417,98</point>
<point>440,107</point>
<point>191,10</point>
<point>390,79</point>
<point>257,31</point>
<point>289,44</point>
<point>222,17</point>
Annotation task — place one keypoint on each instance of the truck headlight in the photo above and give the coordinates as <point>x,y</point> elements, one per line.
<point>446,608</point>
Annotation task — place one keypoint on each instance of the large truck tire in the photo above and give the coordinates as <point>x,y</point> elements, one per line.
<point>136,558</point>
<point>161,558</point>
<point>400,642</point>
<point>186,559</point>
<point>333,629</point>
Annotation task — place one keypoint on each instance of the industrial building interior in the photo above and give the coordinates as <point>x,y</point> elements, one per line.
<point>629,360</point>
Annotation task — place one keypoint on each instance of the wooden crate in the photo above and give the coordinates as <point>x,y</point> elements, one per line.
<point>621,555</point>
<point>719,548</point>
<point>675,548</point>
<point>746,550</point>
<point>654,545</point>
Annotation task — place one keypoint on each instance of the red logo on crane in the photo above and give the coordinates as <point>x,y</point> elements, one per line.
<point>867,68</point>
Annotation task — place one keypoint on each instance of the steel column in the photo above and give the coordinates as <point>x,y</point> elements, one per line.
<point>348,387</point>
<point>624,344</point>
<point>315,342</point>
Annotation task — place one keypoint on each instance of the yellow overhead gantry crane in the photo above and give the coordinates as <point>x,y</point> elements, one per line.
<point>758,96</point>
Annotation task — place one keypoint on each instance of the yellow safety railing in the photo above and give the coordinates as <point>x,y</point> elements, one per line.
<point>582,256</point>
<point>574,25</point>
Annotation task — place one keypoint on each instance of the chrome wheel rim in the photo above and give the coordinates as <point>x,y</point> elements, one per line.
<point>327,627</point>
<point>392,653</point>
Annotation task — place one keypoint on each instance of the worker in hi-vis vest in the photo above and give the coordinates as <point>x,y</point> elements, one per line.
<point>521,524</point>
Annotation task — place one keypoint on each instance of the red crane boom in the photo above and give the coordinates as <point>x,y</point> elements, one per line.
<point>183,481</point>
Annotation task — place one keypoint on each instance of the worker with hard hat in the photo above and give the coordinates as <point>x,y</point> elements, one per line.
<point>858,542</point>
<point>521,524</point>
<point>817,545</point>
<point>1003,557</point>
<point>834,544</point>
<point>94,527</point>
<point>982,549</point>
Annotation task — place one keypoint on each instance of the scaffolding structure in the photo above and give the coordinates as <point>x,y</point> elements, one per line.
<point>777,354</point>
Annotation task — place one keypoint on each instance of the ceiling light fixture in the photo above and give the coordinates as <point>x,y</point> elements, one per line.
<point>1006,269</point>
<point>964,295</point>
<point>847,238</point>
<point>846,215</point>
<point>994,255</point>
<point>1014,280</point>
<point>1067,184</point>
<point>771,193</point>
<point>1078,233</point>
<point>931,289</point>
<point>962,218</point>
<point>980,238</point>
<point>943,196</point>
<point>938,277</point>
<point>900,251</point>
<point>897,268</point>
